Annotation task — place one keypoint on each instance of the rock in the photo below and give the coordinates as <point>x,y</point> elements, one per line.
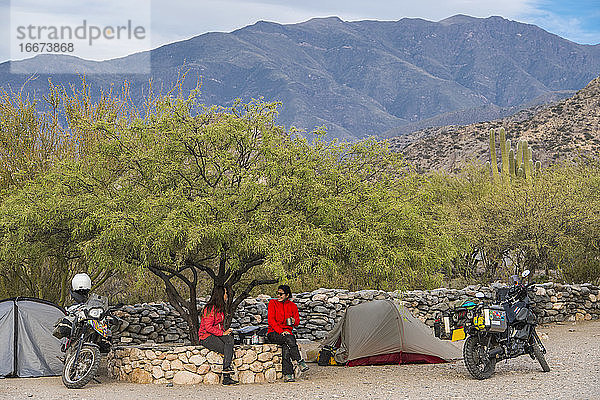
<point>540,291</point>
<point>171,337</point>
<point>166,365</point>
<point>259,378</point>
<point>593,298</point>
<point>319,297</point>
<point>265,356</point>
<point>333,300</point>
<point>171,357</point>
<point>183,358</point>
<point>256,366</point>
<point>190,367</point>
<point>147,330</point>
<point>187,378</point>
<point>157,372</point>
<point>197,359</point>
<point>214,358</point>
<point>203,369</point>
<point>211,378</point>
<point>136,354</point>
<point>270,375</point>
<point>249,357</point>
<point>140,376</point>
<point>246,377</point>
<point>176,365</point>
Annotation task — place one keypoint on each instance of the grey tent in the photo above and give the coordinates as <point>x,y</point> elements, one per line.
<point>28,348</point>
<point>378,332</point>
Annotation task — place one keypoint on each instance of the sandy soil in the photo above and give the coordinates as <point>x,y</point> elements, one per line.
<point>573,355</point>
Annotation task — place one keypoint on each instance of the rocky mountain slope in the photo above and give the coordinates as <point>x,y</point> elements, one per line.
<point>556,132</point>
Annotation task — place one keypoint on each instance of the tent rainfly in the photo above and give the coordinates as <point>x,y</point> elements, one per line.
<point>378,332</point>
<point>28,348</point>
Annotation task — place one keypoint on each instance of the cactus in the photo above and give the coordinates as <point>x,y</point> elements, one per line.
<point>494,163</point>
<point>504,153</point>
<point>514,164</point>
<point>511,161</point>
<point>519,153</point>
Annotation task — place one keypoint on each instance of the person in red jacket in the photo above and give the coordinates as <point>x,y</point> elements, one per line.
<point>283,317</point>
<point>211,333</point>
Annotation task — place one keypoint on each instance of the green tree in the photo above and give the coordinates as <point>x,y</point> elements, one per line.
<point>38,223</point>
<point>227,194</point>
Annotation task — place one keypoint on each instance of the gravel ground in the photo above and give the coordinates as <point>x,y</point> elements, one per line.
<point>573,355</point>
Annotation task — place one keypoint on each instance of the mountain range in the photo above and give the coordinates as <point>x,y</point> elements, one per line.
<point>358,79</point>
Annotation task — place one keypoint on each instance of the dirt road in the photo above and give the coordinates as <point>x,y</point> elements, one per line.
<point>573,355</point>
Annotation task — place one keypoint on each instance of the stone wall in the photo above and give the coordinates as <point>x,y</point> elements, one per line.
<point>189,365</point>
<point>322,308</point>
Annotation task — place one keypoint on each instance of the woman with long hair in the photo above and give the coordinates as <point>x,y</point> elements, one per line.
<point>211,332</point>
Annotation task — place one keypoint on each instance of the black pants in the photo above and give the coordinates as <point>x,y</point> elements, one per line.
<point>222,345</point>
<point>289,350</point>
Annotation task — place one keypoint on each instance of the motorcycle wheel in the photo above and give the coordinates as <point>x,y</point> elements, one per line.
<point>77,376</point>
<point>476,360</point>
<point>537,353</point>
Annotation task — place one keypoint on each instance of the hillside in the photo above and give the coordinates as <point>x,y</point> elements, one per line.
<point>560,131</point>
<point>356,78</point>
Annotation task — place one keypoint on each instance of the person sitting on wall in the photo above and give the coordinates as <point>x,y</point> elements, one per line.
<point>283,317</point>
<point>211,333</point>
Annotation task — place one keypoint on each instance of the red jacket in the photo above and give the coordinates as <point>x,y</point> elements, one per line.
<point>211,324</point>
<point>278,312</point>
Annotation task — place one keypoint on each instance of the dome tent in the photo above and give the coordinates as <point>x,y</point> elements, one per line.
<point>378,332</point>
<point>28,347</point>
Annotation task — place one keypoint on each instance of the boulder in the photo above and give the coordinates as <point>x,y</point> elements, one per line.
<point>270,375</point>
<point>249,357</point>
<point>140,376</point>
<point>157,372</point>
<point>176,365</point>
<point>246,377</point>
<point>187,378</point>
<point>197,359</point>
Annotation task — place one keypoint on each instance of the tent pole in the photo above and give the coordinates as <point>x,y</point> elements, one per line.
<point>16,335</point>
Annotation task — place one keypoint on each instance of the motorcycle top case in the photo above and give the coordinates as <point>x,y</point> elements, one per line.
<point>494,319</point>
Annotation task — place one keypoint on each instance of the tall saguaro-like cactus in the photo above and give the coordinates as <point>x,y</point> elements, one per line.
<point>494,163</point>
<point>514,164</point>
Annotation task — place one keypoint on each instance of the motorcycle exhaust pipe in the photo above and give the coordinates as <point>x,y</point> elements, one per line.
<point>494,352</point>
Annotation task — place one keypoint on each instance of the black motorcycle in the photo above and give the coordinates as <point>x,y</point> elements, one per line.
<point>494,332</point>
<point>86,328</point>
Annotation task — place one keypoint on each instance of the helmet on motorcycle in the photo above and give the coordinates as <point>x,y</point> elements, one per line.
<point>81,282</point>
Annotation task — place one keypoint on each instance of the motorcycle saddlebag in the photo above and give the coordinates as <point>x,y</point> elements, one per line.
<point>62,328</point>
<point>326,356</point>
<point>494,319</point>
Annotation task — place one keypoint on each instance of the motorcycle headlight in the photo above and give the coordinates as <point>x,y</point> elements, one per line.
<point>95,312</point>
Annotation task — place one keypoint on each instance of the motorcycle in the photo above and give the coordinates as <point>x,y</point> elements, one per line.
<point>494,332</point>
<point>86,328</point>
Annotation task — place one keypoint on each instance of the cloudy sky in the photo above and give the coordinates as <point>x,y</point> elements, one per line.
<point>172,20</point>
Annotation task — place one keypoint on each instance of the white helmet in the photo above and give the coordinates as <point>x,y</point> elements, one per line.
<point>81,282</point>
